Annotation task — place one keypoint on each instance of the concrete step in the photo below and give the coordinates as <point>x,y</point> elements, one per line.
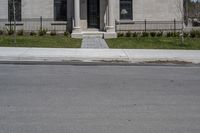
<point>93,34</point>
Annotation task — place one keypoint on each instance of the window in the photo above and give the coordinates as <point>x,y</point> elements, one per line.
<point>126,9</point>
<point>17,10</point>
<point>60,10</point>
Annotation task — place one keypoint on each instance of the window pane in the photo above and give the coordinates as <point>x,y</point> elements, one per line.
<point>17,10</point>
<point>60,10</point>
<point>126,9</point>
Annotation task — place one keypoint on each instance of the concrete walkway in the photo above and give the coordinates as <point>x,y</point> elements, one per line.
<point>94,43</point>
<point>96,55</point>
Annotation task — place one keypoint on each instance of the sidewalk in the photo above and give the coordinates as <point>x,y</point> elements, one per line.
<point>96,55</point>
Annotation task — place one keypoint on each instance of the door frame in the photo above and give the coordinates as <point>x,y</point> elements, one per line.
<point>98,16</point>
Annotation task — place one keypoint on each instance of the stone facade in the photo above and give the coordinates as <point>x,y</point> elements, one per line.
<point>3,9</point>
<point>37,8</point>
<point>151,10</point>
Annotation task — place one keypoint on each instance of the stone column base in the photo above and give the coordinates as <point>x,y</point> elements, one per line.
<point>76,30</point>
<point>110,28</point>
<point>77,35</point>
<point>110,35</point>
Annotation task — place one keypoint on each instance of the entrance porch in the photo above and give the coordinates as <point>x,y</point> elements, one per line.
<point>94,17</point>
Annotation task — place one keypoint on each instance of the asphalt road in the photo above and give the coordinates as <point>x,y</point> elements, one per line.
<point>99,99</point>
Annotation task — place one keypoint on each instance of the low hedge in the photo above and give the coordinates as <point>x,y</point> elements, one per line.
<point>192,34</point>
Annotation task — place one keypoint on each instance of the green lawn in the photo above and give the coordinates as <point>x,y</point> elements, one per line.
<point>40,41</point>
<point>153,43</point>
<point>122,42</point>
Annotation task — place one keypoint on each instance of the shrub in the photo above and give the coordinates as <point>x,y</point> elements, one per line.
<point>128,34</point>
<point>193,34</point>
<point>67,34</point>
<point>45,31</point>
<point>145,34</point>
<point>176,34</point>
<point>198,33</point>
<point>53,33</point>
<point>152,34</point>
<point>135,34</point>
<point>159,34</point>
<point>170,34</point>
<point>120,34</point>
<point>185,34</point>
<point>195,23</point>
<point>1,32</point>
<point>20,32</point>
<point>42,32</point>
<point>10,31</point>
<point>32,33</point>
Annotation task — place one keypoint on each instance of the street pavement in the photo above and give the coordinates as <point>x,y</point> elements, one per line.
<point>99,99</point>
<point>97,55</point>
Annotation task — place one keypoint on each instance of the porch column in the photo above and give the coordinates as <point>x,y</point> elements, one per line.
<point>111,18</point>
<point>77,15</point>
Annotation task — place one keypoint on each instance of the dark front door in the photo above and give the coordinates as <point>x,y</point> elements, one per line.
<point>93,14</point>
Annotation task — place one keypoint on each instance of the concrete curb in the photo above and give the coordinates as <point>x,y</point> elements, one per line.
<point>97,55</point>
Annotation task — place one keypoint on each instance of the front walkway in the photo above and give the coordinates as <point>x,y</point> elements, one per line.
<point>94,43</point>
